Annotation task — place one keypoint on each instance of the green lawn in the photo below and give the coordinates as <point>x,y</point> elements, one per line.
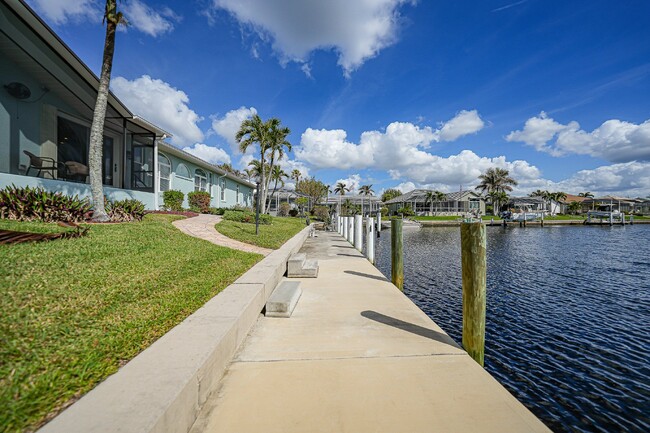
<point>271,236</point>
<point>75,310</point>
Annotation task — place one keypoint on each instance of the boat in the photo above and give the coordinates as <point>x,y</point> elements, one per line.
<point>605,211</point>
<point>521,216</point>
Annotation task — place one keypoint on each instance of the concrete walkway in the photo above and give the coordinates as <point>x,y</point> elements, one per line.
<point>356,356</point>
<point>202,227</point>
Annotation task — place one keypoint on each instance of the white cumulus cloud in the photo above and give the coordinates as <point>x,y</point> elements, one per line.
<point>464,123</point>
<point>153,22</point>
<point>352,183</point>
<point>207,153</point>
<point>228,125</point>
<point>161,104</point>
<point>355,30</point>
<point>614,140</point>
<point>60,11</point>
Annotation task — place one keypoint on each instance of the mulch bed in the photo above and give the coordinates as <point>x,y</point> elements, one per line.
<point>13,237</point>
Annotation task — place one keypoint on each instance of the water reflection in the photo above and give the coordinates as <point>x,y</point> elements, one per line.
<point>567,316</point>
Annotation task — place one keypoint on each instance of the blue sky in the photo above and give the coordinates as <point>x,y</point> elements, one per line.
<point>393,92</point>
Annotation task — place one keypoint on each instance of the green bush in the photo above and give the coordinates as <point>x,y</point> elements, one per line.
<point>284,209</point>
<point>29,204</point>
<point>246,217</point>
<point>322,213</point>
<point>199,201</point>
<point>406,211</point>
<point>216,211</point>
<point>173,200</point>
<point>384,211</point>
<point>293,212</point>
<point>125,210</point>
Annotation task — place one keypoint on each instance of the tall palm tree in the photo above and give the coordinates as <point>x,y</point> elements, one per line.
<point>277,143</point>
<point>341,188</point>
<point>496,180</point>
<point>252,131</point>
<point>113,18</point>
<point>365,190</point>
<point>498,198</point>
<point>588,194</point>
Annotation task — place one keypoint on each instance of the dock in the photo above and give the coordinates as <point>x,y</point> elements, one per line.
<point>356,355</point>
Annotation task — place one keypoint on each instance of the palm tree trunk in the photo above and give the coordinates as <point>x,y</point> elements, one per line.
<point>99,115</point>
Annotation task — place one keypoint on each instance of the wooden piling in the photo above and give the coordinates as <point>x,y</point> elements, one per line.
<point>473,258</point>
<point>397,253</point>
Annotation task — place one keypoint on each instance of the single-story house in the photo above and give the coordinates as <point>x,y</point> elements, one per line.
<point>368,204</point>
<point>456,203</point>
<point>47,101</point>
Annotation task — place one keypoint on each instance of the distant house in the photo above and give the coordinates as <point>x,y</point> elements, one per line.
<point>367,204</point>
<point>46,106</point>
<point>454,204</point>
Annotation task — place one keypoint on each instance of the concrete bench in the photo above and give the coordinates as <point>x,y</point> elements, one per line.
<point>283,299</point>
<point>299,267</point>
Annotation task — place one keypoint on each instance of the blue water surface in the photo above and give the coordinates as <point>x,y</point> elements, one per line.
<point>568,316</point>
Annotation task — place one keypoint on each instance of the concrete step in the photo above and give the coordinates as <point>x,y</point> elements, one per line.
<point>295,263</point>
<point>283,300</point>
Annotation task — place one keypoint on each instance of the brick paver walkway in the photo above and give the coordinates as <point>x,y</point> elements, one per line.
<point>202,227</point>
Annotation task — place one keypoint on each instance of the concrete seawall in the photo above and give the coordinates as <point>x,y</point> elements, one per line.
<point>163,389</point>
<point>356,356</point>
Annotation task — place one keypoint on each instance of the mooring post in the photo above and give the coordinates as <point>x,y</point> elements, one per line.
<point>370,239</point>
<point>542,222</point>
<point>358,232</point>
<point>351,230</point>
<point>397,253</point>
<point>631,219</point>
<point>473,258</point>
<point>378,223</point>
<point>611,218</point>
<point>622,219</point>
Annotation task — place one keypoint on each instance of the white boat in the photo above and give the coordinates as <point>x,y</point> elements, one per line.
<point>605,211</point>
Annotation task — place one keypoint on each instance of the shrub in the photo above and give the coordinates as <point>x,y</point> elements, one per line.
<point>174,212</point>
<point>216,211</point>
<point>199,201</point>
<point>29,204</point>
<point>241,208</point>
<point>384,211</point>
<point>173,200</point>
<point>322,213</point>
<point>246,217</point>
<point>125,210</point>
<point>406,211</point>
<point>284,209</point>
<point>293,212</point>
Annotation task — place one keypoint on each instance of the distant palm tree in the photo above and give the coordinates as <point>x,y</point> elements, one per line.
<point>277,143</point>
<point>365,190</point>
<point>296,175</point>
<point>341,188</point>
<point>251,131</point>
<point>439,196</point>
<point>496,181</point>
<point>277,175</point>
<point>113,18</point>
<point>498,198</point>
<point>586,194</point>
<point>574,207</point>
<point>429,197</point>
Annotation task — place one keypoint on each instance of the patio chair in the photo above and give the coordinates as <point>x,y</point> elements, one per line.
<point>42,164</point>
<point>76,171</point>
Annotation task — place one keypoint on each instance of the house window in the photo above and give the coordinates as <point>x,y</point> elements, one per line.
<point>237,194</point>
<point>164,173</point>
<point>223,189</point>
<point>200,180</point>
<point>182,171</point>
<point>73,141</point>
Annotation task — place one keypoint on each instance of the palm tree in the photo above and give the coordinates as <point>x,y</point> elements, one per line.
<point>574,207</point>
<point>429,199</point>
<point>365,190</point>
<point>340,189</point>
<point>588,194</point>
<point>439,196</point>
<point>252,131</point>
<point>277,143</point>
<point>296,175</point>
<point>497,197</point>
<point>249,173</point>
<point>277,175</point>
<point>496,180</point>
<point>113,18</point>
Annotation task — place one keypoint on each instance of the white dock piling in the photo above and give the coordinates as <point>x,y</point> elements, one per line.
<point>351,230</point>
<point>370,239</point>
<point>345,227</point>
<point>358,232</point>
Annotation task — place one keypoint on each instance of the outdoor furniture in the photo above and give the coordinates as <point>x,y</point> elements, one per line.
<point>75,171</point>
<point>42,164</point>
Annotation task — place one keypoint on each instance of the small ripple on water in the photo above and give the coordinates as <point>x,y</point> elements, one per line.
<point>567,316</point>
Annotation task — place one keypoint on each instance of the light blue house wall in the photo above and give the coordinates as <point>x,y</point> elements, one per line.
<point>53,121</point>
<point>236,192</point>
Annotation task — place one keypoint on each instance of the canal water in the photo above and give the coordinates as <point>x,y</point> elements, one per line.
<point>568,316</point>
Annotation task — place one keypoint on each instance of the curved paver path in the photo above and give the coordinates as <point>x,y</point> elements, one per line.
<point>202,227</point>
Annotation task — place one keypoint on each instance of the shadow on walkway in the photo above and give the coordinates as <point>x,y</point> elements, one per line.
<point>409,327</point>
<point>361,274</point>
